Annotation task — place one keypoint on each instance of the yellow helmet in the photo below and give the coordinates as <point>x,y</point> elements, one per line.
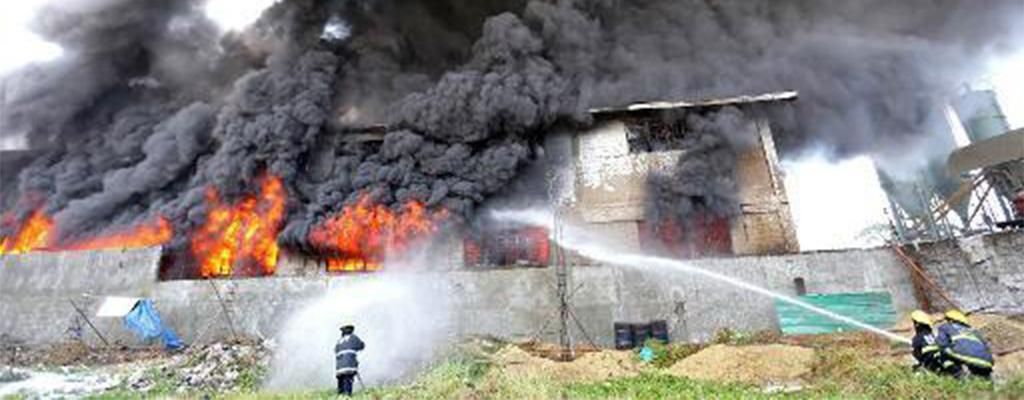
<point>956,315</point>
<point>921,317</point>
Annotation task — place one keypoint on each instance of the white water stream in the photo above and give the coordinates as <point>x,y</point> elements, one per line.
<point>594,248</point>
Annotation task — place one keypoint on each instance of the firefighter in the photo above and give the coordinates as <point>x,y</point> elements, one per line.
<point>346,365</point>
<point>926,350</point>
<point>963,346</point>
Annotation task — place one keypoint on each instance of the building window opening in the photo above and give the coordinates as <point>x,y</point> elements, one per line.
<point>801,286</point>
<point>521,247</point>
<point>703,235</point>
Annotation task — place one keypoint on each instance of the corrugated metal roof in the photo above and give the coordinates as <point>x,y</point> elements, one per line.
<point>986,153</point>
<point>671,105</point>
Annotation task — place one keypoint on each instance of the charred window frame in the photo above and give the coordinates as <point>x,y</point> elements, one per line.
<point>650,135</point>
<point>507,248</point>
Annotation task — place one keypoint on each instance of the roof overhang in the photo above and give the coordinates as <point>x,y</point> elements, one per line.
<point>986,153</point>
<point>709,103</point>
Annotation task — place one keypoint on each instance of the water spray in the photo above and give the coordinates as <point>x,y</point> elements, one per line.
<point>586,245</point>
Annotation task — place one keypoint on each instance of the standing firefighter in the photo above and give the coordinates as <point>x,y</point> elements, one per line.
<point>926,350</point>
<point>346,365</point>
<point>964,346</point>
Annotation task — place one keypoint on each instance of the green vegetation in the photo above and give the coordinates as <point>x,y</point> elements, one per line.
<point>666,355</point>
<point>854,370</point>
<point>838,375</point>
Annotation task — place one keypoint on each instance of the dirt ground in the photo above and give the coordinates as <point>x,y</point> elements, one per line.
<point>74,353</point>
<point>757,364</point>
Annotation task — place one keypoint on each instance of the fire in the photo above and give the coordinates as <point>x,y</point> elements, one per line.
<point>38,233</point>
<point>241,238</point>
<point>34,234</point>
<point>364,234</point>
<point>146,235</point>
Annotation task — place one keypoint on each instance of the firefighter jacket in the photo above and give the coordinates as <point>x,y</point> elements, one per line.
<point>345,361</point>
<point>926,350</point>
<point>964,344</point>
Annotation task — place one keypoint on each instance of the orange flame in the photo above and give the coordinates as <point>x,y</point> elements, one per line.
<point>146,235</point>
<point>241,236</point>
<point>34,234</point>
<point>37,233</point>
<point>362,235</point>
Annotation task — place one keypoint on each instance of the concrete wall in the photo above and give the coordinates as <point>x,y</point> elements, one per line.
<point>980,273</point>
<point>513,303</point>
<point>986,272</point>
<point>36,290</point>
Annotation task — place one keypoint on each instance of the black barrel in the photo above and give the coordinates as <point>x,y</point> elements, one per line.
<point>641,332</point>
<point>659,330</point>
<point>623,336</point>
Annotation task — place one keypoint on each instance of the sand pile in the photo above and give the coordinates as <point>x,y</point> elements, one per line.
<point>1011,364</point>
<point>773,363</point>
<point>589,367</point>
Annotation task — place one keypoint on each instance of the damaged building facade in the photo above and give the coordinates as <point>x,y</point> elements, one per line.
<point>498,280</point>
<point>601,178</point>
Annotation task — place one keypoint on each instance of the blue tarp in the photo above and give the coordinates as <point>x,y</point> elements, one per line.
<point>146,323</point>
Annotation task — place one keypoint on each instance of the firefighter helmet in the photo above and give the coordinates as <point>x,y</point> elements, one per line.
<point>956,315</point>
<point>921,317</point>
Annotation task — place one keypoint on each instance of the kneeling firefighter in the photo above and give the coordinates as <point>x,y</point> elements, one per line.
<point>964,346</point>
<point>926,350</point>
<point>346,365</point>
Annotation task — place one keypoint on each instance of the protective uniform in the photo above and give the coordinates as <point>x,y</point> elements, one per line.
<point>964,346</point>
<point>346,365</point>
<point>926,350</point>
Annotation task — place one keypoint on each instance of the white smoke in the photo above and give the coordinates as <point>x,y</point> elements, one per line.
<point>236,15</point>
<point>336,29</point>
<point>402,318</point>
<point>21,45</point>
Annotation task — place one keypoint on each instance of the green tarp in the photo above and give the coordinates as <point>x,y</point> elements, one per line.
<point>873,308</point>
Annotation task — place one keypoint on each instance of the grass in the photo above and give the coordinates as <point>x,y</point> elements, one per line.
<point>855,370</point>
<point>661,386</point>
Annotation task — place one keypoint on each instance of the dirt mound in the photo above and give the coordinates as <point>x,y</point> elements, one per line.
<point>762,364</point>
<point>589,367</point>
<point>1010,365</point>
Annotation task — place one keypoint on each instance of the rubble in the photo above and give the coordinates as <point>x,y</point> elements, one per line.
<point>219,367</point>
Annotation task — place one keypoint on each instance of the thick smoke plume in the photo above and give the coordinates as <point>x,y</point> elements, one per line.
<point>702,181</point>
<point>151,104</point>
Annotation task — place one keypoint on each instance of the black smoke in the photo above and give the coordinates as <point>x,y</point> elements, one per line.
<point>151,104</point>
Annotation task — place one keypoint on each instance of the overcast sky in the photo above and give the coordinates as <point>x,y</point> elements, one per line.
<point>832,202</point>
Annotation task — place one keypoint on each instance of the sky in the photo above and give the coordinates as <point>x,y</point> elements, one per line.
<point>832,202</point>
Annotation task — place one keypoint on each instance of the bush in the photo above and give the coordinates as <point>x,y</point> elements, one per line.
<point>737,338</point>
<point>666,355</point>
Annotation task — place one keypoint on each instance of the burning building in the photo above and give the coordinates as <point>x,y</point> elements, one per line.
<point>246,154</point>
<point>693,178</point>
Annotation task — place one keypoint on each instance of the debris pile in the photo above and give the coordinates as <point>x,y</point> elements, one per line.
<point>220,367</point>
<point>758,364</point>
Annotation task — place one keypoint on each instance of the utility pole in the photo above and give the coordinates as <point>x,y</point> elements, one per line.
<point>563,274</point>
<point>562,288</point>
